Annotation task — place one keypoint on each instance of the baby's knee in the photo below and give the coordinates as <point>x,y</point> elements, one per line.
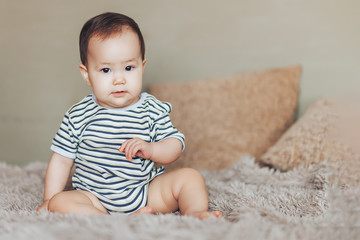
<point>56,203</point>
<point>192,175</point>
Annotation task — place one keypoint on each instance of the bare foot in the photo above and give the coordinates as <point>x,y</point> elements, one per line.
<point>205,215</point>
<point>143,210</point>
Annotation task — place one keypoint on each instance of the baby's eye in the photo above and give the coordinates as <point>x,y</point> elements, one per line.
<point>129,68</point>
<point>105,70</point>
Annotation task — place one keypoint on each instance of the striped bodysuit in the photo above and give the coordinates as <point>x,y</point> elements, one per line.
<point>92,135</point>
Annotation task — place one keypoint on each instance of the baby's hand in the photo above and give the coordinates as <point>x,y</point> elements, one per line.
<point>136,147</point>
<point>43,206</point>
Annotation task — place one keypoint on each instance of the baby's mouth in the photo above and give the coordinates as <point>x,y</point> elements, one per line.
<point>118,93</point>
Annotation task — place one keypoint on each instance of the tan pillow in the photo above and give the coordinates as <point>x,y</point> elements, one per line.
<point>326,133</point>
<point>226,118</point>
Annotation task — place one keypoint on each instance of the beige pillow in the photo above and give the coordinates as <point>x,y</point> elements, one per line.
<point>226,118</point>
<point>328,132</point>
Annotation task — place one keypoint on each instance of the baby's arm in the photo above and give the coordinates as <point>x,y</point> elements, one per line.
<point>163,152</point>
<point>56,177</point>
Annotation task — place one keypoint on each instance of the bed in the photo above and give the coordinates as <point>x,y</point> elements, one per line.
<point>271,177</point>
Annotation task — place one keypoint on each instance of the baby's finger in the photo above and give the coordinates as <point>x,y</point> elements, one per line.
<point>128,148</point>
<point>43,206</point>
<point>134,148</point>
<point>123,145</point>
<point>126,151</point>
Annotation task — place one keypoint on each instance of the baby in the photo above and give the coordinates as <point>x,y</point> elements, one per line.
<point>117,134</point>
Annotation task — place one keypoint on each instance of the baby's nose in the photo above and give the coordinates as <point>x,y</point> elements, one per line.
<point>119,80</point>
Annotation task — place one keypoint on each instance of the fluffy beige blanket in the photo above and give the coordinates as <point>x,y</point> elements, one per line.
<point>258,203</point>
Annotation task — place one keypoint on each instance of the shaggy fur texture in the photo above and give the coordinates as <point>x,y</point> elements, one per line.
<point>258,203</point>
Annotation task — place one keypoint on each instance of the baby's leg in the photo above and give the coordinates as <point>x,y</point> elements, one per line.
<point>182,189</point>
<point>76,201</point>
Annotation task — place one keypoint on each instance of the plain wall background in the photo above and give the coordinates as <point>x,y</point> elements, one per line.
<point>186,40</point>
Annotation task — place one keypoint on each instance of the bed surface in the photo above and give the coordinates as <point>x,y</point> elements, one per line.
<point>258,203</point>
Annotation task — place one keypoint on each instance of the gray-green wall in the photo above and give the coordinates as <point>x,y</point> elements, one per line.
<point>186,40</point>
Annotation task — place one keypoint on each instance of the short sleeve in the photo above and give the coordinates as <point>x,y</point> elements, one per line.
<point>163,128</point>
<point>64,142</point>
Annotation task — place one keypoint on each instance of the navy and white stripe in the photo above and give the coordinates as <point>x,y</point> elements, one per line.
<point>92,135</point>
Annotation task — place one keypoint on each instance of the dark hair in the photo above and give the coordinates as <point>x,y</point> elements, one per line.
<point>103,26</point>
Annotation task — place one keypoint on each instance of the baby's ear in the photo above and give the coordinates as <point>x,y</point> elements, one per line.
<point>144,63</point>
<point>84,73</point>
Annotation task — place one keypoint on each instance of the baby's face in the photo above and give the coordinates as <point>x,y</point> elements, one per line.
<point>115,69</point>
